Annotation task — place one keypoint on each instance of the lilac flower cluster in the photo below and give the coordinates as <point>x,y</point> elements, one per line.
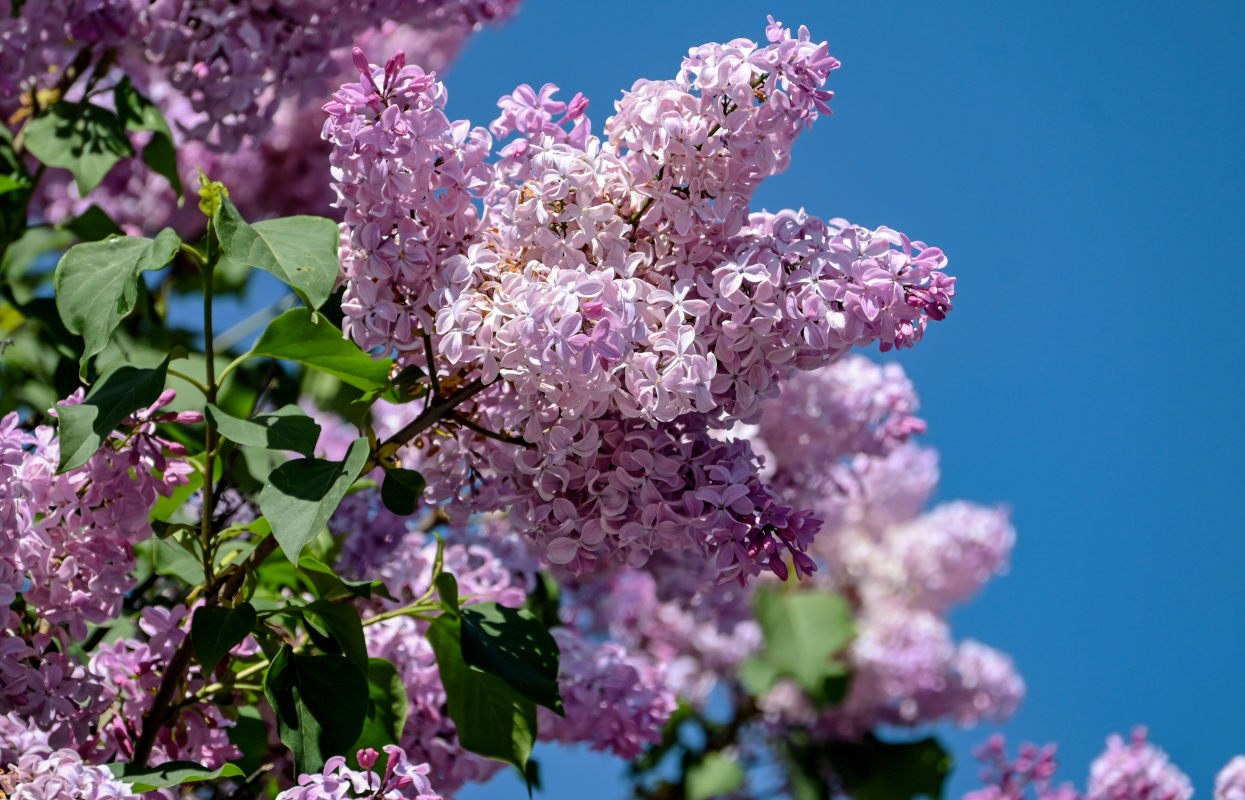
<point>619,294</point>
<point>232,63</point>
<point>402,780</point>
<point>133,669</point>
<point>42,688</point>
<point>614,700</point>
<point>1230,782</point>
<point>1136,770</point>
<point>904,569</point>
<point>1133,770</point>
<point>290,154</point>
<point>69,539</point>
<point>59,775</point>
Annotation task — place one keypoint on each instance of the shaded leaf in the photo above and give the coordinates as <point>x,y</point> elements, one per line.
<point>321,705</point>
<point>875,770</point>
<point>302,494</point>
<point>92,225</point>
<point>388,706</point>
<point>119,393</point>
<point>401,489</point>
<point>216,631</point>
<point>336,628</point>
<point>492,719</point>
<point>137,113</point>
<point>287,428</point>
<point>516,647</point>
<point>172,773</point>
<point>83,138</point>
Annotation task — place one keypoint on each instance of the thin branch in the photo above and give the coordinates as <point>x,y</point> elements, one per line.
<point>432,366</point>
<point>470,424</point>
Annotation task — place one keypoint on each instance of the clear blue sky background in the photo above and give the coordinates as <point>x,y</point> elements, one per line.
<point>1082,164</point>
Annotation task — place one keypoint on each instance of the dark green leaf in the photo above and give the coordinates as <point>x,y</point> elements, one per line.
<point>137,113</point>
<point>336,628</point>
<point>401,489</point>
<point>119,393</point>
<point>544,601</point>
<point>318,344</point>
<point>875,770</point>
<point>83,138</point>
<point>447,590</point>
<point>387,708</point>
<point>172,773</point>
<point>492,719</point>
<point>216,631</point>
<point>94,224</point>
<point>321,704</point>
<point>513,645</point>
<point>287,428</point>
<point>713,777</point>
<point>250,734</point>
<point>301,251</point>
<point>302,494</point>
<point>97,283</point>
<point>331,586</point>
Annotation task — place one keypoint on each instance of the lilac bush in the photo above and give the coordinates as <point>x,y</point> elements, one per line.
<point>555,438</point>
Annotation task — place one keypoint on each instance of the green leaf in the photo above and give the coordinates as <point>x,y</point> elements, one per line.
<point>83,138</point>
<point>447,590</point>
<point>545,600</point>
<point>287,428</point>
<point>804,632</point>
<point>492,719</point>
<point>329,585</point>
<point>216,631</point>
<point>401,490</point>
<point>301,250</point>
<point>875,770</point>
<point>11,184</point>
<point>168,558</point>
<point>336,628</point>
<point>513,645</point>
<point>137,113</point>
<point>321,704</point>
<point>388,706</point>
<point>92,225</point>
<point>119,393</point>
<point>97,283</point>
<point>714,776</point>
<point>302,494</point>
<point>172,773</point>
<point>313,341</point>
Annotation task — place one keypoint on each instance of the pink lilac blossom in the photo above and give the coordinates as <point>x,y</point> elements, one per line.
<point>60,775</point>
<point>1230,782</point>
<point>291,154</point>
<point>570,273</point>
<point>614,700</point>
<point>1136,770</point>
<point>1133,770</point>
<point>401,780</point>
<point>69,539</point>
<point>42,687</point>
<point>1029,775</point>
<point>133,671</point>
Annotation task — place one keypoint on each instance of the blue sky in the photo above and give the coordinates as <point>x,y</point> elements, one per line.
<point>1078,162</point>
